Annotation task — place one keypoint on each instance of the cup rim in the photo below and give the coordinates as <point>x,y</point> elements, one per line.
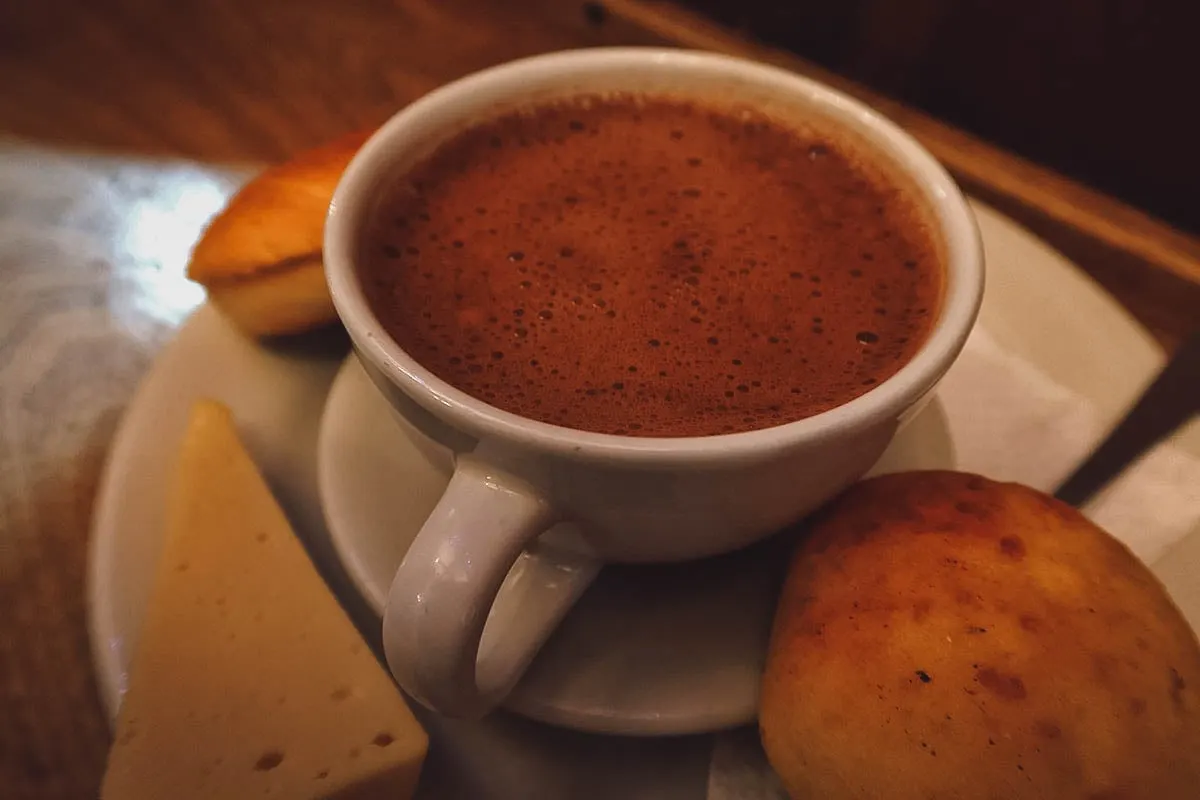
<point>950,213</point>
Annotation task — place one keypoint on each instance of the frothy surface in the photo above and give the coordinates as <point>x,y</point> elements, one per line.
<point>651,267</point>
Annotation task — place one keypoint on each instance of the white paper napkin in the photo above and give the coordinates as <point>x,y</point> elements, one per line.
<point>1010,421</point>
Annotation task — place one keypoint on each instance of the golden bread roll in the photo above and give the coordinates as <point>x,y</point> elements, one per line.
<point>260,258</point>
<point>945,636</point>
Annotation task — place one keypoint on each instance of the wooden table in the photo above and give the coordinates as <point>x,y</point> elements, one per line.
<point>125,124</point>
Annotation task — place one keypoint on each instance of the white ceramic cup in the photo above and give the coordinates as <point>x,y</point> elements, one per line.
<point>543,505</point>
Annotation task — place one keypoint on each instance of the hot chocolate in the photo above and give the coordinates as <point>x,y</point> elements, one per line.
<point>652,266</point>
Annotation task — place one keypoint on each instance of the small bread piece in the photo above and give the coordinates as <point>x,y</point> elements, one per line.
<point>260,258</point>
<point>945,636</point>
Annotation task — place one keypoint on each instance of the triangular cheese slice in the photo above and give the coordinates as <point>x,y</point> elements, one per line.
<point>249,680</point>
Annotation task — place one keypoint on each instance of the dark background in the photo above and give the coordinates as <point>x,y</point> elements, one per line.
<point>1105,91</point>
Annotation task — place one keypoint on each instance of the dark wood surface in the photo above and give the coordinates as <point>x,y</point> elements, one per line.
<point>124,124</point>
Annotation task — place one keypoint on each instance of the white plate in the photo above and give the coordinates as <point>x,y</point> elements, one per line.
<point>1053,363</point>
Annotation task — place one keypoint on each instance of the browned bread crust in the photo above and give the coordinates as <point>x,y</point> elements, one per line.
<point>941,635</point>
<point>260,258</point>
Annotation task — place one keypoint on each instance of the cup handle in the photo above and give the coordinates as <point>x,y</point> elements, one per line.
<point>449,585</point>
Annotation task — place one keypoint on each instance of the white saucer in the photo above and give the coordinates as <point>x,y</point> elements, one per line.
<point>1053,356</point>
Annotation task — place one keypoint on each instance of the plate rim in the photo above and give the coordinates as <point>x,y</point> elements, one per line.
<point>108,673</point>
